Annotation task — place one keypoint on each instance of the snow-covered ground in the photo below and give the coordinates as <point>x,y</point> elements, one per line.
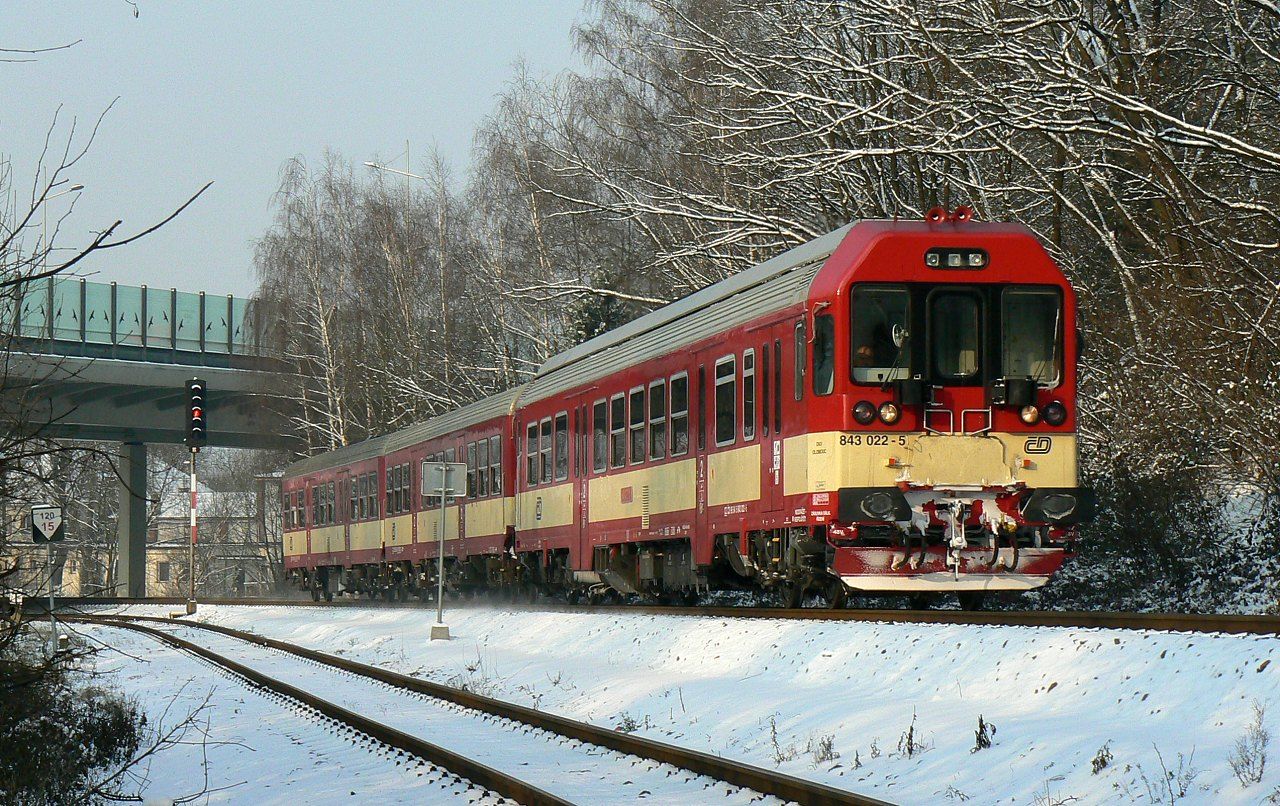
<point>241,746</point>
<point>577,772</point>
<point>835,701</point>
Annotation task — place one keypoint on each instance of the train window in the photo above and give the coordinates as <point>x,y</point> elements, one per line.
<point>600,436</point>
<point>824,354</point>
<point>955,330</point>
<point>495,465</point>
<point>482,468</point>
<point>544,451</point>
<point>562,446</point>
<point>406,476</point>
<point>362,490</point>
<point>391,489</point>
<point>764,390</point>
<point>1031,332</point>
<point>637,425</point>
<point>748,395</point>
<point>373,494</point>
<point>618,431</point>
<point>353,498</point>
<point>679,414</point>
<point>471,470</point>
<point>726,400</point>
<point>531,455</point>
<point>801,360</point>
<point>777,386</point>
<point>879,340</point>
<point>657,419</point>
<point>328,498</point>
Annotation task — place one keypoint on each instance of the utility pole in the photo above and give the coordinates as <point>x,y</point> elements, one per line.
<point>191,549</point>
<point>439,629</point>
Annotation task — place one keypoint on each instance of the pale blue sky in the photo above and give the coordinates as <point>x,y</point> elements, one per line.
<point>228,92</point>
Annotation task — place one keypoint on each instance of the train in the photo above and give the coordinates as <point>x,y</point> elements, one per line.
<point>888,409</point>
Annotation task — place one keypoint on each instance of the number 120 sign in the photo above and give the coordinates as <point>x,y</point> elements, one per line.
<point>46,524</point>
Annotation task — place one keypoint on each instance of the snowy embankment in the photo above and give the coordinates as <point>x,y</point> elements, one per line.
<point>889,710</point>
<point>225,741</point>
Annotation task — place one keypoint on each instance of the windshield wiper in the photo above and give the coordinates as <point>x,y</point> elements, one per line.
<point>900,337</point>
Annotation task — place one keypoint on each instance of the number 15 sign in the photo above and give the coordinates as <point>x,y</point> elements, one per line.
<point>46,524</point>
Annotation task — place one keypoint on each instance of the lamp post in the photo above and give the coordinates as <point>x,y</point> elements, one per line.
<point>44,221</point>
<point>407,176</point>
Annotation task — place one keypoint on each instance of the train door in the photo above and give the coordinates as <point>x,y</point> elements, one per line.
<point>956,327</point>
<point>308,513</point>
<point>343,506</point>
<point>582,439</point>
<point>701,444</point>
<point>770,424</point>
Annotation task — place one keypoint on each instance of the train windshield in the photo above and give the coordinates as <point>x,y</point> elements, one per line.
<point>1032,327</point>
<point>955,334</point>
<point>880,347</point>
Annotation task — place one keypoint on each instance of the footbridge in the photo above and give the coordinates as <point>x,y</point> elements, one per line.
<point>109,363</point>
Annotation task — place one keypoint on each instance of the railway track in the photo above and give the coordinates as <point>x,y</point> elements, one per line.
<point>522,733</point>
<point>1180,622</point>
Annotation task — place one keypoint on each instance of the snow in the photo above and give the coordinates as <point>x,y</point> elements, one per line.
<point>577,773</point>
<point>768,692</point>
<point>255,748</point>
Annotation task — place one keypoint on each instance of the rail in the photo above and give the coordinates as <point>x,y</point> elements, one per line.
<point>760,780</point>
<point>462,766</point>
<point>1171,622</point>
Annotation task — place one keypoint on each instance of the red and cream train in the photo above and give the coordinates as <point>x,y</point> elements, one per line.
<point>889,408</point>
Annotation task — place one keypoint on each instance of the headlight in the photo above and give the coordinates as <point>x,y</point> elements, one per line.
<point>1057,506</point>
<point>889,413</point>
<point>878,506</point>
<point>864,412</point>
<point>1055,413</point>
<point>1030,415</point>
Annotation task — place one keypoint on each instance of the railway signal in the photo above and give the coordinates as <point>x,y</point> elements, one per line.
<point>197,430</point>
<point>197,436</point>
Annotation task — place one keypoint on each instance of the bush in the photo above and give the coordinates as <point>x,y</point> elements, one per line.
<point>56,732</point>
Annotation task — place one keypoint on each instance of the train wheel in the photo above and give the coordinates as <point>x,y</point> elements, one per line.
<point>837,595</point>
<point>792,593</point>
<point>315,594</point>
<point>573,596</point>
<point>971,600</point>
<point>920,601</point>
<point>328,595</point>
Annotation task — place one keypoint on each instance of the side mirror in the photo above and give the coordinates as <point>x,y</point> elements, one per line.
<point>911,392</point>
<point>1016,392</point>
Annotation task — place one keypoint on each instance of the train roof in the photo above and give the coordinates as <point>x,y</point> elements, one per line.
<point>346,455</point>
<point>765,287</point>
<point>488,408</point>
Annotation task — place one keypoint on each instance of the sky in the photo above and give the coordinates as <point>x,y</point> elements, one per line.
<point>228,92</point>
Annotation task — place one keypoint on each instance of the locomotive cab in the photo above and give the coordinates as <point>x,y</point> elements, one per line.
<point>941,444</point>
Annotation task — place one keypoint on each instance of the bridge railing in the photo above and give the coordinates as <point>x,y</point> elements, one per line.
<point>135,321</point>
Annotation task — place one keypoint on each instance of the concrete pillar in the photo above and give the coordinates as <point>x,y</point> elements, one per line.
<point>131,526</point>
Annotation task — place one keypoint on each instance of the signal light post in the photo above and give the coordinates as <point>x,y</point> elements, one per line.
<point>197,435</point>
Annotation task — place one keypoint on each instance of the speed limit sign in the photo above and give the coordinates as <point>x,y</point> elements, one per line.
<point>46,524</point>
